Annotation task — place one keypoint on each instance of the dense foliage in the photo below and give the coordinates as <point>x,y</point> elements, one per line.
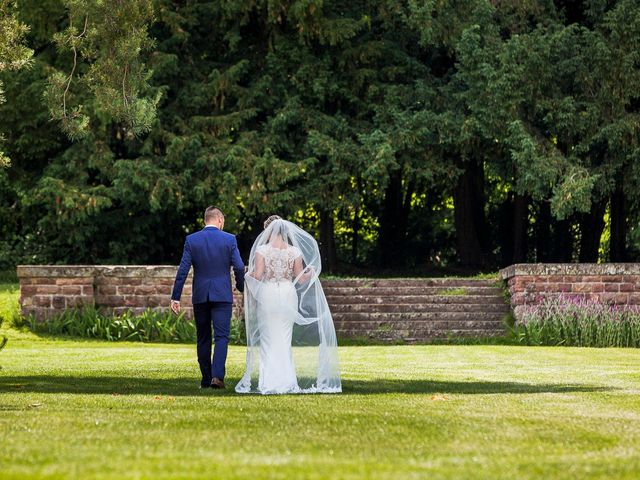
<point>409,136</point>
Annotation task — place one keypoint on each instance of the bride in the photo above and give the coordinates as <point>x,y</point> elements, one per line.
<point>291,340</point>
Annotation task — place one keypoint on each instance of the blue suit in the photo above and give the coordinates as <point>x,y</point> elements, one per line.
<point>212,253</point>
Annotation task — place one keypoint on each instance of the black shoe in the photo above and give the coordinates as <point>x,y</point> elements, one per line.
<point>205,384</point>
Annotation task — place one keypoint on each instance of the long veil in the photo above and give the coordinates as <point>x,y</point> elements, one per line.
<point>313,339</point>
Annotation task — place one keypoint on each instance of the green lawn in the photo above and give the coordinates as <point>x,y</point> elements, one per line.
<point>88,409</point>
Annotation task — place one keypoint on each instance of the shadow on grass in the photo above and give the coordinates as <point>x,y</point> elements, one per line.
<point>189,386</point>
<point>367,387</point>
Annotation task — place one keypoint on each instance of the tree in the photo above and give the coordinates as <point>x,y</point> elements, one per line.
<point>406,136</point>
<point>110,37</point>
<point>571,133</point>
<point>13,53</point>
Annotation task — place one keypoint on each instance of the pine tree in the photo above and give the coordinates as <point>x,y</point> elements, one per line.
<point>13,53</point>
<point>109,37</point>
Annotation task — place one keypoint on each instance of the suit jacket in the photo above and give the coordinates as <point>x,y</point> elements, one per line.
<point>212,252</point>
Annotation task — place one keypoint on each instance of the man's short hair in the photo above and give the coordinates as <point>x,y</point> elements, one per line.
<point>212,212</point>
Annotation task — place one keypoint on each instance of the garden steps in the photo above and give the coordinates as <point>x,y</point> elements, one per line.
<point>412,326</point>
<point>412,289</point>
<point>418,316</point>
<point>422,336</point>
<point>415,299</point>
<point>416,310</point>
<point>407,282</point>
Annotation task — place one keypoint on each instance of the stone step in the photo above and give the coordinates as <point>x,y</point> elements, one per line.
<point>416,317</point>
<point>410,300</point>
<point>411,282</point>
<point>420,335</point>
<point>410,290</point>
<point>413,326</point>
<point>419,307</point>
<point>416,309</point>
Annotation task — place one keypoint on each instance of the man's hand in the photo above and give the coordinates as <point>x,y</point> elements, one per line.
<point>175,306</point>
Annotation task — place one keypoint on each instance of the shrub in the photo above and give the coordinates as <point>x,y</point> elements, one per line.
<point>576,321</point>
<point>149,326</point>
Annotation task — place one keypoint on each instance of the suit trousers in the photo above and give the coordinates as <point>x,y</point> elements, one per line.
<point>218,315</point>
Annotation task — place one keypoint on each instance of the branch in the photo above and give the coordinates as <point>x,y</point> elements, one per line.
<point>75,64</point>
<point>124,91</point>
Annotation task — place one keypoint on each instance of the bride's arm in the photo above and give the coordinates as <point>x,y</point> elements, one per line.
<point>307,273</point>
<point>258,272</point>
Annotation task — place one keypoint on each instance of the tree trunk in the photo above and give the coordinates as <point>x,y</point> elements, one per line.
<point>327,241</point>
<point>513,220</point>
<point>393,222</point>
<point>562,242</point>
<point>554,239</point>
<point>356,236</point>
<point>591,227</point>
<point>618,245</point>
<point>520,228</point>
<point>505,230</point>
<point>355,239</point>
<point>468,201</point>
<point>543,232</point>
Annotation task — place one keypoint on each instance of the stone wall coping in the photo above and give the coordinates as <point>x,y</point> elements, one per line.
<point>160,271</point>
<point>75,271</point>
<point>570,269</point>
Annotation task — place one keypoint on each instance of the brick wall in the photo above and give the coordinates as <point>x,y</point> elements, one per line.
<point>612,283</point>
<point>412,310</point>
<point>47,290</point>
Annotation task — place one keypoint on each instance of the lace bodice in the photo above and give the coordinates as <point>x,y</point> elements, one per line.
<point>278,262</point>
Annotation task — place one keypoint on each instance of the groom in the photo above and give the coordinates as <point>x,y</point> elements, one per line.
<point>212,252</point>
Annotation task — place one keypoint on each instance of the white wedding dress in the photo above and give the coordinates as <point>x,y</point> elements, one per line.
<point>291,341</point>
<point>278,299</point>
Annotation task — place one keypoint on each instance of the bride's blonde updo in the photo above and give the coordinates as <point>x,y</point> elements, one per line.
<point>268,221</point>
